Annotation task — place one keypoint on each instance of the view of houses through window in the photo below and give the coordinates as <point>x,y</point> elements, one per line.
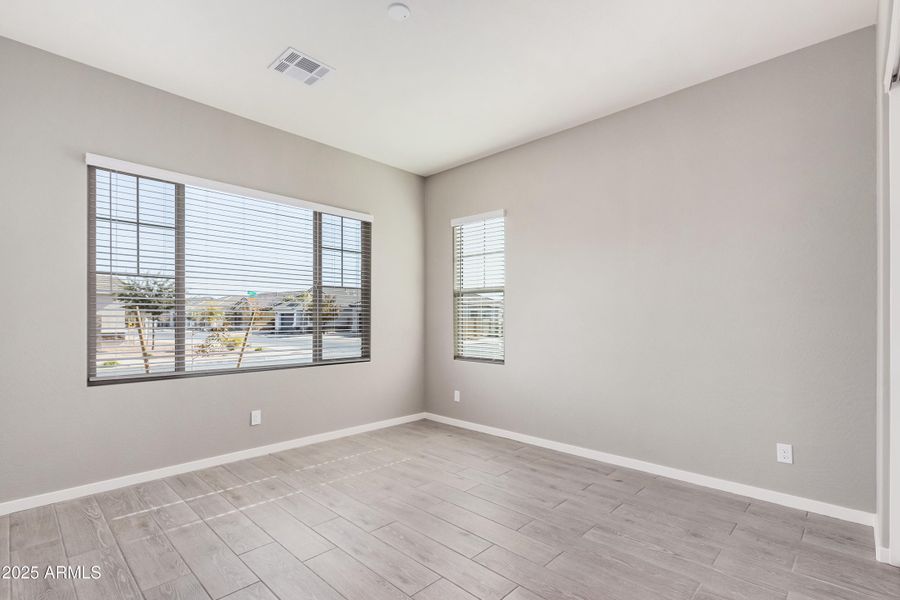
<point>479,279</point>
<point>191,280</point>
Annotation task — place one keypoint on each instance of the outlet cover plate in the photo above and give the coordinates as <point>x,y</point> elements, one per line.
<point>255,417</point>
<point>784,453</point>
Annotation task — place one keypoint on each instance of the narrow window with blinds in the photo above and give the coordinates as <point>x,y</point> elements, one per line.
<point>479,278</point>
<point>186,280</point>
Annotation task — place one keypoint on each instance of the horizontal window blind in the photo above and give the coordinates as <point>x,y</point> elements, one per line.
<point>479,278</point>
<point>189,280</point>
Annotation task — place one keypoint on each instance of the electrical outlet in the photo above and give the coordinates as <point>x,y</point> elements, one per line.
<point>255,417</point>
<point>784,453</point>
<point>456,395</point>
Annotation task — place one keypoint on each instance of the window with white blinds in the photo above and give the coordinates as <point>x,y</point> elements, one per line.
<point>188,280</point>
<point>479,279</point>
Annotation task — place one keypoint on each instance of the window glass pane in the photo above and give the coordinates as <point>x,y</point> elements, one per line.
<point>479,325</point>
<point>331,268</point>
<point>331,231</point>
<point>352,270</point>
<point>134,325</point>
<point>155,202</point>
<point>352,235</point>
<point>121,246</point>
<point>157,250</point>
<point>343,328</point>
<point>479,278</point>
<point>121,191</point>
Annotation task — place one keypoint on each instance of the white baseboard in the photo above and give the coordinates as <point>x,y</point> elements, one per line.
<point>883,554</point>
<point>823,508</point>
<point>106,485</point>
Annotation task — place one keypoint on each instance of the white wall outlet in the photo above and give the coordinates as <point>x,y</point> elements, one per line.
<point>784,453</point>
<point>456,395</point>
<point>255,417</point>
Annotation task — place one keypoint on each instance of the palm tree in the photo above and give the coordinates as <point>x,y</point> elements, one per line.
<point>150,298</point>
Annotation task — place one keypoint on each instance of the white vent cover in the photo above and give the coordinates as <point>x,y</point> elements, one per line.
<point>301,66</point>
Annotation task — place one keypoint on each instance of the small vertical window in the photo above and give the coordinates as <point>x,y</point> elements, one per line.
<point>479,280</point>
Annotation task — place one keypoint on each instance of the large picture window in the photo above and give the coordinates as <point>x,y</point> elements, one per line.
<point>186,279</point>
<point>479,279</point>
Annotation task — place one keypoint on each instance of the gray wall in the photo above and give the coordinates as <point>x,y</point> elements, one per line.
<point>689,281</point>
<point>57,432</point>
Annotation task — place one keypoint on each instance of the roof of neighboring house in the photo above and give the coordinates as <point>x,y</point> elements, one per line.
<point>110,284</point>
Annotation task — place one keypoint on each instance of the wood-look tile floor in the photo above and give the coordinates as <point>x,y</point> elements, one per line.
<point>436,513</point>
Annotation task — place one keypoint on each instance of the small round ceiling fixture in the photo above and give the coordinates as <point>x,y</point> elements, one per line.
<point>399,11</point>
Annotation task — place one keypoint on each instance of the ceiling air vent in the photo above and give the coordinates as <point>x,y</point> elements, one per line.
<point>300,66</point>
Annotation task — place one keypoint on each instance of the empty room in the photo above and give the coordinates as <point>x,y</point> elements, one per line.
<point>450,300</point>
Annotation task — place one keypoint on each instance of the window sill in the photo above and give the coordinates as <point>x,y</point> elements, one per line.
<point>489,361</point>
<point>165,376</point>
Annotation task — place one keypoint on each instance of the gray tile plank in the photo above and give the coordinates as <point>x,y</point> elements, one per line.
<point>599,540</point>
<point>623,575</point>
<point>773,577</point>
<point>188,486</point>
<point>351,578</point>
<point>536,492</point>
<point>184,588</point>
<point>856,541</point>
<point>83,527</point>
<point>234,527</point>
<point>378,486</point>
<point>219,570</point>
<point>115,580</point>
<point>298,504</point>
<point>425,474</point>
<point>536,551</point>
<point>406,574</point>
<point>153,561</point>
<point>462,571</point>
<point>169,510</point>
<point>444,590</point>
<point>256,591</point>
<point>246,471</point>
<point>119,503</point>
<point>219,478</point>
<point>286,576</point>
<point>847,571</point>
<point>43,556</point>
<point>508,498</point>
<point>521,593</point>
<point>588,507</point>
<point>349,508</point>
<point>642,534</point>
<point>299,539</point>
<point>135,527</point>
<point>505,516</point>
<point>32,527</point>
<point>434,526</point>
<point>705,594</point>
<point>244,496</point>
<point>547,583</point>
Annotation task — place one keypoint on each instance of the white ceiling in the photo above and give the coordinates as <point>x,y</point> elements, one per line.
<point>460,79</point>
